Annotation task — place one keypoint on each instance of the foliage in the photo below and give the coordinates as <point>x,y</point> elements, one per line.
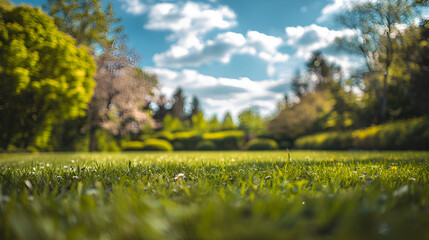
<point>300,119</point>
<point>377,36</point>
<point>262,144</point>
<point>157,145</point>
<point>326,141</point>
<point>132,145</point>
<point>213,124</point>
<point>270,195</point>
<point>226,140</point>
<point>206,145</point>
<point>172,124</point>
<point>186,140</point>
<point>251,122</point>
<point>407,135</point>
<point>6,4</point>
<point>42,74</point>
<point>178,108</point>
<point>228,123</point>
<point>198,123</point>
<point>84,20</point>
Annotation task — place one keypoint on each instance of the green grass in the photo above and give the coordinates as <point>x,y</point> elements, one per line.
<point>215,195</point>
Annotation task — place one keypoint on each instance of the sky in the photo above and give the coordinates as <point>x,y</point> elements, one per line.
<point>231,54</point>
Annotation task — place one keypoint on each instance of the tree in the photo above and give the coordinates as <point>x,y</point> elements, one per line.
<point>300,119</point>
<point>251,123</point>
<point>84,20</point>
<point>214,124</point>
<point>6,4</point>
<point>122,89</point>
<point>119,99</point>
<point>300,85</point>
<point>195,107</point>
<point>178,108</point>
<point>44,77</point>
<point>376,24</point>
<point>198,122</point>
<point>227,123</point>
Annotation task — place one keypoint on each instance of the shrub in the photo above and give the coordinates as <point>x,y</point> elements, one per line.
<point>327,141</point>
<point>412,134</point>
<point>186,140</point>
<point>262,144</point>
<point>132,146</point>
<point>157,145</point>
<point>225,140</point>
<point>206,145</point>
<point>165,135</point>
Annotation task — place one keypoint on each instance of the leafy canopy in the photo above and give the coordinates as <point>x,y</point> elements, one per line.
<point>44,77</point>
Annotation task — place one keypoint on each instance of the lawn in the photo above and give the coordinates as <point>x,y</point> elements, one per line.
<point>215,195</point>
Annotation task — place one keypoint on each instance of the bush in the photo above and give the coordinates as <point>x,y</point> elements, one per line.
<point>327,141</point>
<point>262,144</point>
<point>206,145</point>
<point>157,145</point>
<point>186,140</point>
<point>226,140</point>
<point>412,134</point>
<point>132,146</point>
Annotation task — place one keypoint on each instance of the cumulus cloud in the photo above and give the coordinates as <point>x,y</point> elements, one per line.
<point>133,6</point>
<point>313,37</point>
<point>219,95</point>
<point>337,6</point>
<point>189,22</point>
<point>222,48</point>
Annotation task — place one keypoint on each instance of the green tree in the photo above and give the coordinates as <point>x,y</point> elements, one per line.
<point>251,123</point>
<point>300,119</point>
<point>178,108</point>
<point>196,109</point>
<point>213,124</point>
<point>44,77</point>
<point>6,4</point>
<point>227,123</point>
<point>198,122</point>
<point>85,20</point>
<point>172,124</point>
<point>376,23</point>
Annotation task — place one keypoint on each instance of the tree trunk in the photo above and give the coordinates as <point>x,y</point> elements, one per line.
<point>92,139</point>
<point>383,107</point>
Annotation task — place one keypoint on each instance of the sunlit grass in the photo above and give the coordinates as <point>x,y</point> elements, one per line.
<point>215,195</point>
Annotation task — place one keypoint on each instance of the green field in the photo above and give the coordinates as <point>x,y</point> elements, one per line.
<point>215,195</point>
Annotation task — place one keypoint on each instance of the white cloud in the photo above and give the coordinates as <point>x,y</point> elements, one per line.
<point>222,48</point>
<point>219,95</point>
<point>313,37</point>
<point>189,22</point>
<point>337,6</point>
<point>190,19</point>
<point>133,6</point>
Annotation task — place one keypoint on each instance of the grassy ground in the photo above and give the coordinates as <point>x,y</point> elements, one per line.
<point>215,195</point>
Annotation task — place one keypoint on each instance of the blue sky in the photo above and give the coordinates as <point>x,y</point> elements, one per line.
<point>232,54</point>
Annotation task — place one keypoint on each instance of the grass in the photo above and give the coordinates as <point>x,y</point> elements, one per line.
<point>222,195</point>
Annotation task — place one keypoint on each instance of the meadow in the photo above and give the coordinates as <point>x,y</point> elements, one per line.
<point>215,195</point>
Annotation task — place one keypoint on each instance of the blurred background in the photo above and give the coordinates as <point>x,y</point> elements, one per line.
<point>131,75</point>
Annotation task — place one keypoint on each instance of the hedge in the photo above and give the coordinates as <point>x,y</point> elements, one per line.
<point>157,145</point>
<point>147,145</point>
<point>206,145</point>
<point>412,134</point>
<point>326,141</point>
<point>262,144</point>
